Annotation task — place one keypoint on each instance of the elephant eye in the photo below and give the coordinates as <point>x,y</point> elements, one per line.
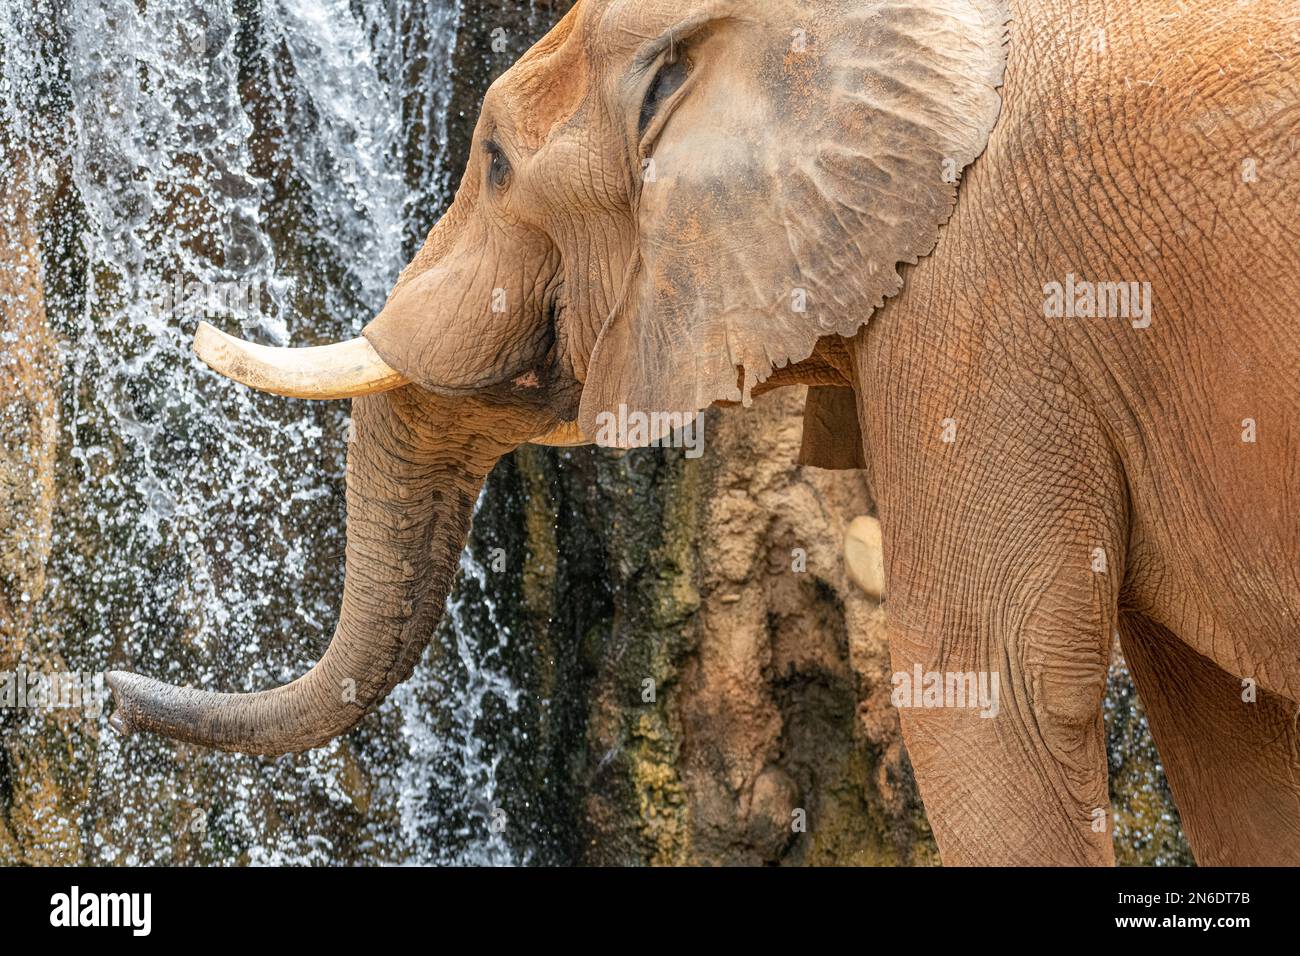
<point>498,165</point>
<point>668,81</point>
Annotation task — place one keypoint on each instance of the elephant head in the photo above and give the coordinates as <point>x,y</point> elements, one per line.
<point>667,202</point>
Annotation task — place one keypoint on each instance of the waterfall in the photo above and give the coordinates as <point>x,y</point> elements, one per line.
<point>267,165</point>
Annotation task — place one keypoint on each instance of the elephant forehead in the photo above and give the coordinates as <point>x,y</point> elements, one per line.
<point>546,87</point>
<point>617,25</point>
<point>622,26</point>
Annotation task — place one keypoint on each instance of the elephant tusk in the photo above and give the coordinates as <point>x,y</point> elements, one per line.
<point>343,370</point>
<point>568,435</point>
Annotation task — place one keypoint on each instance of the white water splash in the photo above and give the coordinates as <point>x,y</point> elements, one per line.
<point>458,759</point>
<point>265,149</point>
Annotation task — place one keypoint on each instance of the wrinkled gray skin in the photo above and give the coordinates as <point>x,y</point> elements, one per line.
<point>678,202</point>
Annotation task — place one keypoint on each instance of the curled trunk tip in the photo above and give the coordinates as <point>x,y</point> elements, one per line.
<point>119,683</point>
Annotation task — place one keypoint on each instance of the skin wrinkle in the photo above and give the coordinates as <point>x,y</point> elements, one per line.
<point>1118,394</point>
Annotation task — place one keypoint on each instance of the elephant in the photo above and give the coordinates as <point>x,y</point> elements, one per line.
<point>1035,261</point>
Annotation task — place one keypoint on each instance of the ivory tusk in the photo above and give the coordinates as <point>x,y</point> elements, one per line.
<point>568,435</point>
<point>343,370</point>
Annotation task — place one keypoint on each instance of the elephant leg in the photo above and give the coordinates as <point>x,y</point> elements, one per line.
<point>1004,513</point>
<point>1009,583</point>
<point>1233,765</point>
<point>1028,785</point>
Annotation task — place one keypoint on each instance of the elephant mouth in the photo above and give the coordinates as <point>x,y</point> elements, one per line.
<point>531,367</point>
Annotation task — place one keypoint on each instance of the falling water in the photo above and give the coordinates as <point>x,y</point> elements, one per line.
<point>267,165</point>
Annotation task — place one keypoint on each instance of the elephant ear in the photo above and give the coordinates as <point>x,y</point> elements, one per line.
<point>815,146</point>
<point>832,434</point>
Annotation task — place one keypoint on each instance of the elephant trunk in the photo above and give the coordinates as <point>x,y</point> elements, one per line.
<point>411,487</point>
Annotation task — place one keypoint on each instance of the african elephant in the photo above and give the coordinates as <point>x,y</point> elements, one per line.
<point>1072,384</point>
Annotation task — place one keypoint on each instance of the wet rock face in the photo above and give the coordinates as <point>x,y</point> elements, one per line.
<point>29,424</point>
<point>719,687</point>
<point>28,415</point>
<point>789,652</point>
